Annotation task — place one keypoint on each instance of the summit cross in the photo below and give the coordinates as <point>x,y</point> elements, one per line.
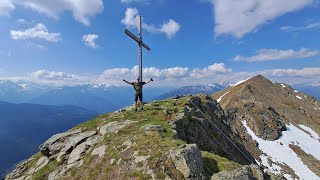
<point>140,43</point>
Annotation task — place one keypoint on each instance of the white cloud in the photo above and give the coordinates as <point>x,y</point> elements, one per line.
<point>305,72</point>
<point>90,40</point>
<point>238,18</point>
<point>131,20</point>
<point>172,77</point>
<point>6,7</point>
<point>211,70</point>
<point>82,10</point>
<point>310,26</point>
<point>39,31</point>
<point>308,75</point>
<point>170,28</point>
<point>51,75</point>
<point>275,54</point>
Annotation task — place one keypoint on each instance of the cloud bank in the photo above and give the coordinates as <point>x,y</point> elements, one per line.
<point>39,31</point>
<point>81,10</point>
<point>173,76</point>
<point>275,54</point>
<point>238,18</point>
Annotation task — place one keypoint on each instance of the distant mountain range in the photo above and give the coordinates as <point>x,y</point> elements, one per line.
<point>104,98</point>
<point>193,90</point>
<point>101,98</point>
<point>21,91</point>
<point>23,127</point>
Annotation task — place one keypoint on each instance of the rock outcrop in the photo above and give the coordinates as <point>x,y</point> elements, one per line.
<point>204,123</point>
<point>188,160</point>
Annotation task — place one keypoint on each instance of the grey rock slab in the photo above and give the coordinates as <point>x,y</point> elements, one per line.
<point>100,151</point>
<point>77,152</point>
<point>187,159</point>
<point>114,127</point>
<point>47,147</point>
<point>73,141</point>
<point>62,171</point>
<point>43,161</point>
<point>151,127</point>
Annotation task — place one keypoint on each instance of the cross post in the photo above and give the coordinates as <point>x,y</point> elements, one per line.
<point>140,43</point>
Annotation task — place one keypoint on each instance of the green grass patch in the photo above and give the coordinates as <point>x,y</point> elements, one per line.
<point>213,163</point>
<point>45,171</point>
<point>91,124</point>
<point>139,175</point>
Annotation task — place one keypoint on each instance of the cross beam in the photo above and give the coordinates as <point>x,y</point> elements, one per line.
<point>140,43</point>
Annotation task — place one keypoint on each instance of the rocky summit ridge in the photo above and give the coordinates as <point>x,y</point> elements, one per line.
<point>220,136</point>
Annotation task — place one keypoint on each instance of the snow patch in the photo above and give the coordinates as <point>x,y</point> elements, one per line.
<point>287,176</point>
<point>242,81</point>
<point>220,98</point>
<point>24,86</point>
<point>284,154</point>
<point>283,85</point>
<point>296,91</point>
<point>299,97</point>
<point>309,130</point>
<point>273,167</point>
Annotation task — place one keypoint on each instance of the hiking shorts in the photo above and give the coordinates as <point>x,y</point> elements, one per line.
<point>136,96</point>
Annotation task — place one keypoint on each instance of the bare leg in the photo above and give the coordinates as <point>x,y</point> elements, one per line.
<point>141,104</point>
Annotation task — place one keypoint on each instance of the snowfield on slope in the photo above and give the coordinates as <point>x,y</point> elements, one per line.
<point>284,154</point>
<point>220,98</point>
<point>309,130</point>
<point>242,81</point>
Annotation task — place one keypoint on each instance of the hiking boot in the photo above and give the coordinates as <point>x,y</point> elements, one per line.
<point>142,109</point>
<point>136,110</point>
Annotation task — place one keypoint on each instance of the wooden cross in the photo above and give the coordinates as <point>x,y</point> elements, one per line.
<point>140,43</point>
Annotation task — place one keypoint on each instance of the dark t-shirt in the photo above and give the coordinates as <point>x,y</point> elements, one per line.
<point>138,87</point>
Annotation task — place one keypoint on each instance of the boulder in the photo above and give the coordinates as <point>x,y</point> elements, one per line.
<point>188,160</point>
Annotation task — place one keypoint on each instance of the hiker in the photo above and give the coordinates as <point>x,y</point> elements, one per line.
<point>138,91</point>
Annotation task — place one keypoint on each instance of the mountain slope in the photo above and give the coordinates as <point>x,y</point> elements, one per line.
<point>191,137</point>
<point>24,126</point>
<point>275,121</point>
<point>144,145</point>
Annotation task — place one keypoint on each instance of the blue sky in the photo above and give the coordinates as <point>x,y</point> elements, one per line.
<point>192,42</point>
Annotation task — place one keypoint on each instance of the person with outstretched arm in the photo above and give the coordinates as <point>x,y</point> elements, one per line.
<point>138,91</point>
